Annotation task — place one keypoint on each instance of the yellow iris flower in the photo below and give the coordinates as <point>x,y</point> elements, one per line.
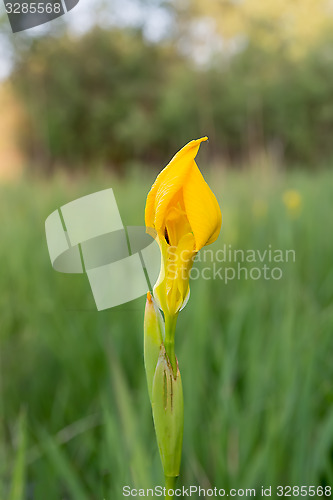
<point>185,215</point>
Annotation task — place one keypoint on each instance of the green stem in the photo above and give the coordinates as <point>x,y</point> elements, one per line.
<point>170,483</point>
<point>170,327</point>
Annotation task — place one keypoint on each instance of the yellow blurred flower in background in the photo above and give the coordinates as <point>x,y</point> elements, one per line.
<point>293,202</point>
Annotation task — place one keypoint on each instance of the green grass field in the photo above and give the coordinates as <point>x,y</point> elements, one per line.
<point>255,355</point>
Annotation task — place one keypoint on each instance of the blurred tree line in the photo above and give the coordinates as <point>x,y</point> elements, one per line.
<point>112,97</point>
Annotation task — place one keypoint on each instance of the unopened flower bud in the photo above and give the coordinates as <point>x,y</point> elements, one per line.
<point>168,413</point>
<point>153,338</point>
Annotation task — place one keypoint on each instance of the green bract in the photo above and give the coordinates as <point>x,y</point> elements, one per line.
<point>168,413</point>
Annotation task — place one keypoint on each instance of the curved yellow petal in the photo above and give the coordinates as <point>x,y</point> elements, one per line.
<point>159,290</point>
<point>191,148</point>
<point>168,183</point>
<point>176,225</point>
<point>177,279</point>
<point>150,203</point>
<point>202,209</point>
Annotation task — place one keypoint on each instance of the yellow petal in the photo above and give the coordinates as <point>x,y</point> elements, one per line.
<point>168,183</point>
<point>177,279</point>
<point>202,209</point>
<point>159,291</point>
<point>176,225</point>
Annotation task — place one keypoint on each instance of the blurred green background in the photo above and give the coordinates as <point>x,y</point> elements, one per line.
<point>108,106</point>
